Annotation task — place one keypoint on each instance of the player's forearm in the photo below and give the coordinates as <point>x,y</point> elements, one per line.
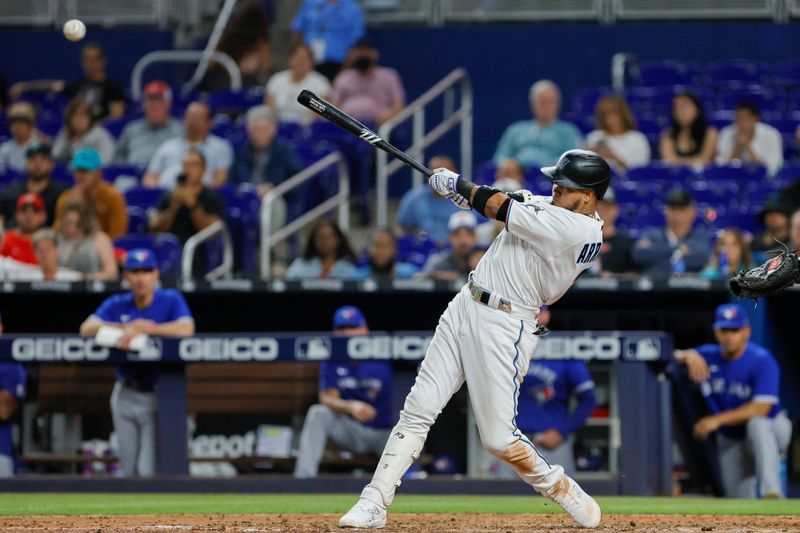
<point>743,413</point>
<point>8,404</point>
<point>487,201</point>
<point>91,326</point>
<point>334,402</point>
<point>177,328</point>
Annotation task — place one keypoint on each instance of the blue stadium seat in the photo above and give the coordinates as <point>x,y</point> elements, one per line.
<point>222,125</point>
<point>291,131</point>
<point>664,72</point>
<point>787,74</point>
<point>9,176</point>
<point>764,98</point>
<point>137,220</point>
<point>116,125</point>
<point>743,221</point>
<point>415,249</point>
<point>787,175</point>
<point>737,72</point>
<point>63,174</point>
<point>484,173</point>
<point>165,246</point>
<point>49,125</point>
<point>235,102</point>
<point>144,197</point>
<point>661,174</point>
<point>47,104</point>
<point>585,100</point>
<point>242,209</point>
<point>742,175</point>
<point>113,172</point>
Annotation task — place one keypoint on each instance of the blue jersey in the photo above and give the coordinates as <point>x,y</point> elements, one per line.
<point>12,380</point>
<point>544,397</point>
<point>367,381</point>
<point>168,305</point>
<point>754,376</point>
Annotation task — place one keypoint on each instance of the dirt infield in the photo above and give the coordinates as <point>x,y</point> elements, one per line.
<point>398,522</point>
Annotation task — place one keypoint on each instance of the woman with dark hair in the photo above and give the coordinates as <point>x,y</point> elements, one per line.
<point>382,263</point>
<point>731,254</point>
<point>616,137</point>
<point>689,140</point>
<point>81,130</point>
<point>83,247</point>
<point>327,255</point>
<point>246,40</point>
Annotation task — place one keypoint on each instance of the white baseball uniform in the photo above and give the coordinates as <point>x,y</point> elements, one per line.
<point>489,345</point>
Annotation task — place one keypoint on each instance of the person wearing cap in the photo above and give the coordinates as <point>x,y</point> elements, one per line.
<point>740,383</point>
<point>422,210</point>
<point>22,123</point>
<point>39,181</point>
<point>30,216</point>
<point>365,89</point>
<point>542,140</point>
<point>616,253</point>
<point>91,189</point>
<point>453,264</point>
<point>141,138</point>
<point>165,165</point>
<point>355,403</point>
<point>774,216</point>
<point>677,248</point>
<point>329,28</point>
<point>147,310</point>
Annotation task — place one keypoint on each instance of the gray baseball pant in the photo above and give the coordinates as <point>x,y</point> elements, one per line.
<point>560,455</point>
<point>755,461</point>
<point>321,424</point>
<point>135,420</point>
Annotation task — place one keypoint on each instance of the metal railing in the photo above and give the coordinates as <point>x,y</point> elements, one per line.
<point>182,56</point>
<point>462,116</point>
<point>189,249</point>
<point>692,9</point>
<point>270,238</point>
<point>211,46</point>
<point>514,10</point>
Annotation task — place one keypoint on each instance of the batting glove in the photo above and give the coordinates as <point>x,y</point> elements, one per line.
<point>444,182</point>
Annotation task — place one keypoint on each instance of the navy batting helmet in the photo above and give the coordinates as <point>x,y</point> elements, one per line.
<point>580,169</point>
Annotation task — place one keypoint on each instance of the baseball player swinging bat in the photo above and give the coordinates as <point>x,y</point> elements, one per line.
<point>333,114</point>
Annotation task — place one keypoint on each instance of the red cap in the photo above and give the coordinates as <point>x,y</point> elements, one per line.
<point>30,198</point>
<point>158,89</point>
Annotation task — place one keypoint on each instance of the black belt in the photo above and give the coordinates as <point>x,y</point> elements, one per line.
<point>496,301</point>
<point>138,386</point>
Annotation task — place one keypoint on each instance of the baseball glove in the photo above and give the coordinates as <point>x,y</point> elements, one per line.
<point>772,277</point>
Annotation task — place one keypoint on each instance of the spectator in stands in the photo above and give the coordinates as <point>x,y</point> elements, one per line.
<point>749,140</point>
<point>740,383</point>
<point>265,160</point>
<point>355,403</point>
<point>283,87</point>
<point>45,244</point>
<point>677,248</point>
<point>541,141</point>
<point>774,216</point>
<point>329,28</point>
<point>616,253</point>
<point>382,262</point>
<point>22,123</point>
<point>168,159</point>
<point>141,138</point>
<point>12,392</point>
<point>107,203</point>
<point>422,210</point>
<point>509,176</point>
<point>366,90</point>
<point>327,255</point>
<point>616,137</point>
<point>190,207</point>
<point>84,248</point>
<point>146,310</point>
<point>246,41</point>
<point>30,215</point>
<point>81,130</point>
<point>39,166</point>
<point>106,97</point>
<point>730,255</point>
<point>795,231</point>
<point>453,264</point>
<point>689,139</point>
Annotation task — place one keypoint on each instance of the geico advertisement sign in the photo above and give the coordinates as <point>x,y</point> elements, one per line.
<point>410,347</point>
<point>599,347</point>
<point>57,349</point>
<point>228,349</point>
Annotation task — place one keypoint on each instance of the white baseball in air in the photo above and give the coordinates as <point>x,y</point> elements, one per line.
<point>74,30</point>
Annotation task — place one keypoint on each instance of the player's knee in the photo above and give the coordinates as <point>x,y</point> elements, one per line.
<point>319,414</point>
<point>757,424</point>
<point>497,447</point>
<point>518,455</point>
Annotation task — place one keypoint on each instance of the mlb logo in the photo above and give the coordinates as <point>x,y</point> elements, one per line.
<point>312,349</point>
<point>642,349</point>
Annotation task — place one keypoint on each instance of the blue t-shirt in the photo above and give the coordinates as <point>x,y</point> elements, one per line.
<point>754,376</point>
<point>168,305</point>
<point>367,381</point>
<point>337,24</point>
<point>421,209</point>
<point>12,380</point>
<point>544,397</point>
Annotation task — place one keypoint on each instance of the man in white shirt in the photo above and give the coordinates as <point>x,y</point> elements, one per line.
<point>749,140</point>
<point>168,159</point>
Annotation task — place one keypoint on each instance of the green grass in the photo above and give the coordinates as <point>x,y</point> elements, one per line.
<point>16,504</point>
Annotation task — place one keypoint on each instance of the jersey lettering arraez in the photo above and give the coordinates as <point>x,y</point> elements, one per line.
<point>541,253</point>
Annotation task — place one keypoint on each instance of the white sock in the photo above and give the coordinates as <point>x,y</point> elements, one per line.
<point>402,449</point>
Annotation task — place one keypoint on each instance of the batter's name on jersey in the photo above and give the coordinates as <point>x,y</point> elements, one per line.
<point>589,252</point>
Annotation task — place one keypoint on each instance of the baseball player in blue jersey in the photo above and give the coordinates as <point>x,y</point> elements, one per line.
<point>739,381</point>
<point>355,403</point>
<point>151,311</point>
<point>12,392</point>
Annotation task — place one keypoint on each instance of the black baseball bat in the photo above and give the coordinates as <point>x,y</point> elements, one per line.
<point>330,112</point>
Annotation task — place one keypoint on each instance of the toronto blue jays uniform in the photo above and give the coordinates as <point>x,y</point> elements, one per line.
<point>365,381</point>
<point>12,380</point>
<point>749,453</point>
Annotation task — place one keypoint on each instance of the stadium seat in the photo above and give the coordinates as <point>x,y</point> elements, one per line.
<point>484,173</point>
<point>737,72</point>
<point>585,100</point>
<point>235,102</point>
<point>9,176</point>
<point>743,221</point>
<point>787,74</point>
<point>415,249</point>
<point>661,174</point>
<point>787,175</point>
<point>764,98</point>
<point>113,172</point>
<point>144,197</point>
<point>739,174</point>
<point>242,209</point>
<point>63,174</point>
<point>668,72</point>
<point>49,125</point>
<point>137,220</point>
<point>116,125</point>
<point>165,246</point>
<point>291,131</point>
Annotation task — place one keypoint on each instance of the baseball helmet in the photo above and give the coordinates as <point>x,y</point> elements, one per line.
<point>580,169</point>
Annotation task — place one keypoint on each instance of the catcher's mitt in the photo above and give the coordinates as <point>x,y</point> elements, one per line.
<point>769,278</point>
